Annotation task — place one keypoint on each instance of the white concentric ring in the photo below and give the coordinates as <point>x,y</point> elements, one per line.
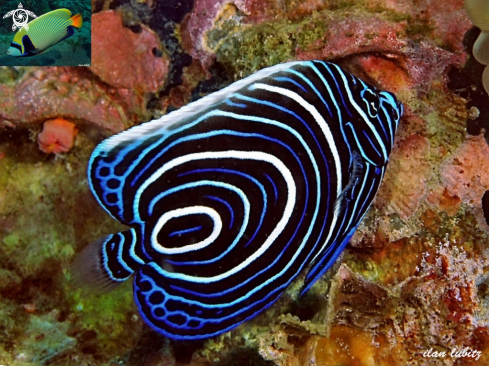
<point>244,155</point>
<point>184,212</point>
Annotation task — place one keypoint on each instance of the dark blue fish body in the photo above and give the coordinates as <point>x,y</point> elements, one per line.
<point>229,198</point>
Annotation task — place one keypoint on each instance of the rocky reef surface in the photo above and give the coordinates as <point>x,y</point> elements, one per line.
<point>410,289</point>
<point>73,51</point>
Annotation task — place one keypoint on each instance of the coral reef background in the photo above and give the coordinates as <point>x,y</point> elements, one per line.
<point>414,277</point>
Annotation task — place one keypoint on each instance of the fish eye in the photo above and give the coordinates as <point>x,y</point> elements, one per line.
<point>395,112</point>
<point>372,101</point>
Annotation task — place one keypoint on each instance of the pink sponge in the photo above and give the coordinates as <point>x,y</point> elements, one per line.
<point>57,136</point>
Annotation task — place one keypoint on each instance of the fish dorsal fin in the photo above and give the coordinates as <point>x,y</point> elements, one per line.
<point>59,13</point>
<point>136,140</point>
<point>192,109</point>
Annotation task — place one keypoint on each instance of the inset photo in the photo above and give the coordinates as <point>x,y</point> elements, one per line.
<point>45,33</point>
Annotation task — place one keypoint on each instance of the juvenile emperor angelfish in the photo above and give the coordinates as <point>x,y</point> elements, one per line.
<point>229,198</point>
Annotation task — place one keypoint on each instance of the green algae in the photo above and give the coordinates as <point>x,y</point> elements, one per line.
<point>244,49</point>
<point>113,316</point>
<point>415,26</point>
<point>252,48</point>
<point>10,75</point>
<point>419,26</point>
<point>38,189</point>
<point>47,214</point>
<point>96,310</point>
<point>54,191</point>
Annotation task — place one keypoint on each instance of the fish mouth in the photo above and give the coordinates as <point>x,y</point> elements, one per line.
<point>14,47</point>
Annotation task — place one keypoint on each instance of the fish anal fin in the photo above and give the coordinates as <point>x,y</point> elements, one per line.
<point>184,310</point>
<point>325,261</point>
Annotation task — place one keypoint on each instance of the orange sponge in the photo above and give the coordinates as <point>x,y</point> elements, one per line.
<point>57,136</point>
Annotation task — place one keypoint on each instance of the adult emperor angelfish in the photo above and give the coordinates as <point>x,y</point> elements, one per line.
<point>43,32</point>
<point>229,198</point>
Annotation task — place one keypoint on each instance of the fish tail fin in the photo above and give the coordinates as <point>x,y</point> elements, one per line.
<point>77,20</point>
<point>103,265</point>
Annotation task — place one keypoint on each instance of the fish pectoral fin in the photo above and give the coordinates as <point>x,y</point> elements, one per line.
<point>341,208</point>
<point>357,171</point>
<point>107,262</point>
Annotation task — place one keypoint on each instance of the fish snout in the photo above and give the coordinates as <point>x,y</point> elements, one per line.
<point>13,51</point>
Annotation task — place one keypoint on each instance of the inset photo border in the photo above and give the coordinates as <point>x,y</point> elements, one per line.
<point>45,33</point>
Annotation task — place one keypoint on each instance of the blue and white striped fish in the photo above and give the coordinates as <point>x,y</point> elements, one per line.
<point>229,198</point>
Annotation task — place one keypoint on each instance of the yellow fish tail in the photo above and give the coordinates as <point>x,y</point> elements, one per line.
<point>77,20</point>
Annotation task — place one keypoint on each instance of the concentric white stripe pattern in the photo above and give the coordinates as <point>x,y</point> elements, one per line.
<point>231,197</point>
